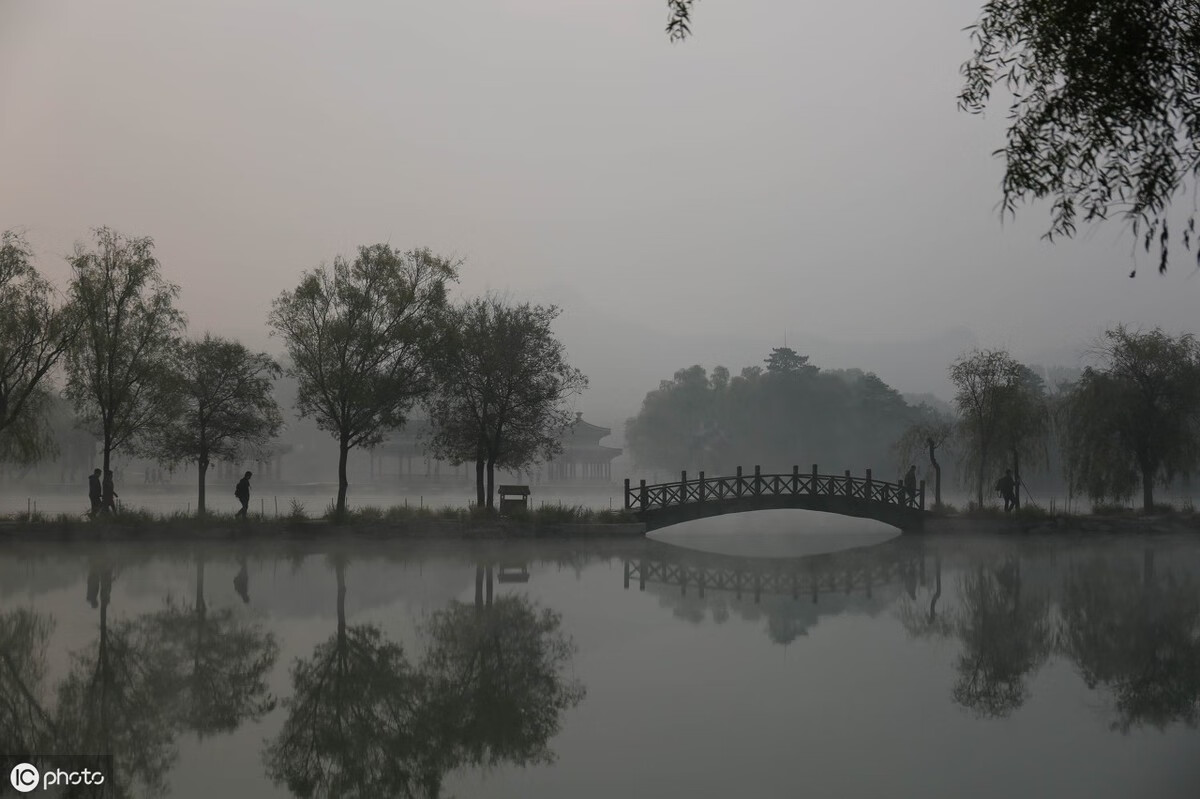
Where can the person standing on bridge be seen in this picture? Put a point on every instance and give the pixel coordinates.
(1006, 487)
(910, 481)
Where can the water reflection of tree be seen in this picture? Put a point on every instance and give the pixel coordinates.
(496, 681)
(352, 727)
(1006, 636)
(224, 663)
(117, 698)
(26, 728)
(1138, 635)
(922, 619)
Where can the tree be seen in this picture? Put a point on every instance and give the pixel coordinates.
(1134, 417)
(34, 336)
(994, 411)
(504, 388)
(361, 338)
(930, 433)
(225, 405)
(130, 328)
(786, 361)
(1102, 110)
(1025, 423)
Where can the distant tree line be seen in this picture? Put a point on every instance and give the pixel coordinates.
(368, 341)
(1129, 422)
(772, 417)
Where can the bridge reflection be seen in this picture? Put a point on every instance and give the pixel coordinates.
(900, 562)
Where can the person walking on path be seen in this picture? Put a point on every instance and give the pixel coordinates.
(110, 494)
(910, 482)
(242, 492)
(94, 491)
(1006, 487)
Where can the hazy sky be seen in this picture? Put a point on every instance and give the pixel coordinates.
(795, 167)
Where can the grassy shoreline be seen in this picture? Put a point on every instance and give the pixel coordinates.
(544, 521)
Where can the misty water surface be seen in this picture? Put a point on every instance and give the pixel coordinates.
(939, 667)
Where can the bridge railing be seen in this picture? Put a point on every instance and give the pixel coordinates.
(643, 497)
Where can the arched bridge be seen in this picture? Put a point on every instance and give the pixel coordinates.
(664, 504)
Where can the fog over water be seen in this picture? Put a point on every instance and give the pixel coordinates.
(790, 171)
(964, 665)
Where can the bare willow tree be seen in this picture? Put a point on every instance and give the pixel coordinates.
(361, 336)
(1134, 418)
(35, 333)
(119, 366)
(225, 409)
(505, 388)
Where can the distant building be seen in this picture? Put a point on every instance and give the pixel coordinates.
(583, 457)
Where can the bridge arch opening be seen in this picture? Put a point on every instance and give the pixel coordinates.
(780, 533)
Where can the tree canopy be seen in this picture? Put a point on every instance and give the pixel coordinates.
(790, 413)
(119, 366)
(1134, 417)
(35, 333)
(505, 385)
(1102, 107)
(226, 408)
(361, 336)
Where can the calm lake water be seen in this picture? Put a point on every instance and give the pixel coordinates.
(969, 666)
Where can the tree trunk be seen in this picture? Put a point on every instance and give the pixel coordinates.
(480, 486)
(203, 471)
(982, 473)
(937, 474)
(1147, 489)
(343, 483)
(491, 484)
(1016, 481)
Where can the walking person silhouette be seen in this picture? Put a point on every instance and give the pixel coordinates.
(242, 492)
(95, 492)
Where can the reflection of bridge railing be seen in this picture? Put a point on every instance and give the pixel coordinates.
(719, 489)
(809, 576)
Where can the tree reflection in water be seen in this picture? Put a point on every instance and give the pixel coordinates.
(495, 678)
(118, 696)
(363, 722)
(223, 663)
(26, 727)
(1006, 636)
(1138, 635)
(353, 722)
